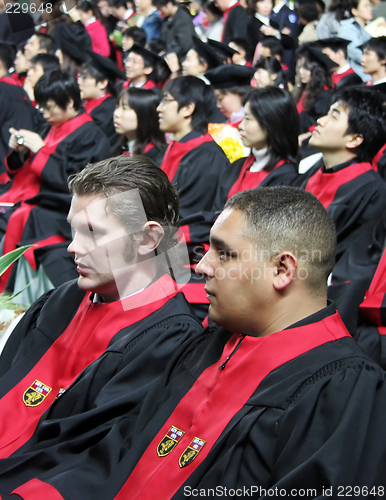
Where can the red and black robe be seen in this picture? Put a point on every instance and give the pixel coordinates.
(101, 111)
(237, 411)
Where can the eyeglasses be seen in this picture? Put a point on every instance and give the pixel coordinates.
(166, 100)
(50, 108)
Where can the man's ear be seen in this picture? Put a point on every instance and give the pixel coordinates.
(286, 265)
(153, 233)
(70, 105)
(147, 70)
(188, 110)
(355, 141)
(103, 84)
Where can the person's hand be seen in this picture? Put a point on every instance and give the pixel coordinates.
(286, 31)
(269, 31)
(32, 141)
(173, 63)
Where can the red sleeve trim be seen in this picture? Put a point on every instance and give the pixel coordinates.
(36, 490)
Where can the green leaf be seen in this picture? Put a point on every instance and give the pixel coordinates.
(9, 258)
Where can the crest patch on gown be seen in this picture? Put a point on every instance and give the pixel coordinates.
(36, 393)
(191, 452)
(169, 441)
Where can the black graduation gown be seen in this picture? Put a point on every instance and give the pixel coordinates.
(319, 108)
(68, 322)
(198, 171)
(350, 80)
(255, 36)
(313, 421)
(103, 117)
(235, 23)
(15, 111)
(47, 199)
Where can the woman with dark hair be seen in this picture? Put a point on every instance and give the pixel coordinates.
(88, 16)
(269, 72)
(136, 120)
(314, 74)
(270, 128)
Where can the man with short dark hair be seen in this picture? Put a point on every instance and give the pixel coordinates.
(124, 218)
(269, 411)
(192, 156)
(39, 169)
(39, 43)
(346, 184)
(177, 29)
(374, 62)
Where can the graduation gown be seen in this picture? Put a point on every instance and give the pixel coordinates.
(15, 111)
(67, 325)
(101, 111)
(235, 412)
(346, 79)
(194, 165)
(39, 188)
(235, 18)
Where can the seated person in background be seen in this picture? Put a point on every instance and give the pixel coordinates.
(39, 168)
(242, 55)
(136, 121)
(86, 13)
(140, 64)
(20, 64)
(235, 18)
(349, 188)
(284, 393)
(97, 79)
(131, 36)
(148, 19)
(308, 15)
(231, 84)
(268, 72)
(353, 29)
(39, 64)
(200, 59)
(39, 43)
(374, 63)
(224, 51)
(124, 217)
(193, 161)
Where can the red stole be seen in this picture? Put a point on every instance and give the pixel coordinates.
(324, 185)
(336, 78)
(377, 157)
(300, 105)
(26, 181)
(177, 150)
(215, 398)
(84, 340)
(11, 81)
(91, 104)
(249, 180)
(372, 303)
(149, 84)
(225, 17)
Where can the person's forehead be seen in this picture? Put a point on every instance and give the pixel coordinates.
(228, 226)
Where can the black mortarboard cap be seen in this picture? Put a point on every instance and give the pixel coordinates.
(222, 49)
(151, 57)
(381, 39)
(321, 58)
(230, 75)
(206, 52)
(106, 66)
(334, 42)
(72, 40)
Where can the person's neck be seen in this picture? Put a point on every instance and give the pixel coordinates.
(173, 11)
(289, 312)
(336, 158)
(146, 12)
(360, 21)
(139, 80)
(96, 96)
(343, 65)
(3, 72)
(379, 75)
(180, 134)
(125, 287)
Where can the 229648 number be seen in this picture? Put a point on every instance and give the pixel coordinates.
(25, 8)
(360, 491)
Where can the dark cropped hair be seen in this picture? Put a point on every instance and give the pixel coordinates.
(118, 3)
(341, 9)
(320, 77)
(274, 46)
(378, 45)
(275, 111)
(137, 34)
(308, 11)
(121, 174)
(46, 42)
(273, 66)
(157, 46)
(48, 62)
(163, 3)
(85, 6)
(91, 71)
(60, 86)
(283, 218)
(7, 55)
(242, 43)
(191, 90)
(144, 102)
(213, 9)
(367, 117)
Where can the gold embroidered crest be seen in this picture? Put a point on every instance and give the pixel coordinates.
(36, 393)
(169, 441)
(191, 452)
